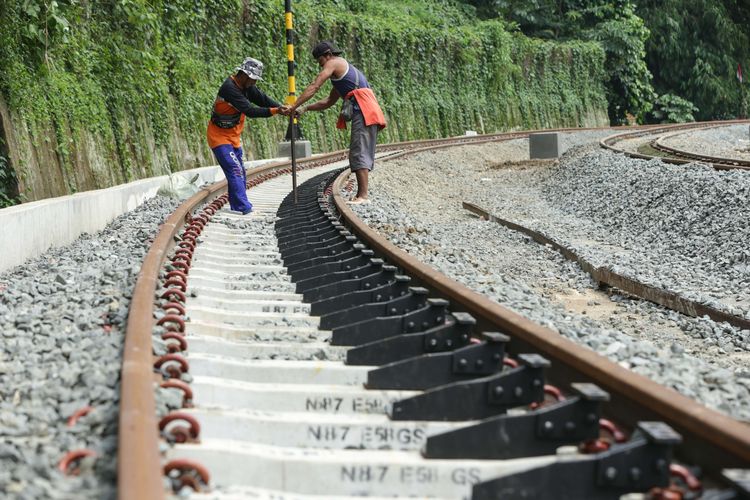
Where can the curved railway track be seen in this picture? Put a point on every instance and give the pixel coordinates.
(655, 148)
(285, 331)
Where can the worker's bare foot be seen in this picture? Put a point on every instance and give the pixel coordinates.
(358, 201)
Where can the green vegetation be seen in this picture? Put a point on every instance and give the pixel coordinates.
(670, 108)
(611, 23)
(109, 91)
(694, 49)
(8, 181)
(691, 47)
(97, 93)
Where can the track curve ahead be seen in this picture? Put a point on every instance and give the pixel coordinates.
(674, 155)
(268, 315)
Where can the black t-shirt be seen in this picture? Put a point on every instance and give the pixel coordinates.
(243, 100)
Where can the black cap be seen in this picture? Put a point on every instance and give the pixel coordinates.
(323, 48)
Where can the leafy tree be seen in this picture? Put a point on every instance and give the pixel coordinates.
(694, 50)
(669, 108)
(612, 23)
(114, 90)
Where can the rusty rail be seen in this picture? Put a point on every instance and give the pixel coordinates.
(603, 275)
(718, 162)
(139, 461)
(683, 157)
(710, 438)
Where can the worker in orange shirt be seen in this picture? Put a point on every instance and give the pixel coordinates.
(349, 84)
(233, 103)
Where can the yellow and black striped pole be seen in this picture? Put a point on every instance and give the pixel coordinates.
(293, 131)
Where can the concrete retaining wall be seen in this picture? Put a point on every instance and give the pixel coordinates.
(30, 229)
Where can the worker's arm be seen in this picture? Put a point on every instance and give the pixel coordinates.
(311, 89)
(260, 98)
(234, 96)
(321, 104)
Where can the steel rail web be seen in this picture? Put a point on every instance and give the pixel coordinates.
(710, 438)
(139, 459)
(684, 157)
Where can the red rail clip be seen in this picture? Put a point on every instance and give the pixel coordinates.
(71, 459)
(179, 433)
(187, 392)
(82, 412)
(183, 472)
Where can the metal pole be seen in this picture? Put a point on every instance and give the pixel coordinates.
(291, 98)
(292, 122)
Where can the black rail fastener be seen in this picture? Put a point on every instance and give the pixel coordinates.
(311, 264)
(381, 274)
(308, 254)
(306, 244)
(301, 217)
(355, 257)
(325, 222)
(387, 291)
(288, 223)
(365, 267)
(535, 433)
(310, 236)
(312, 277)
(306, 235)
(432, 370)
(292, 225)
(478, 398)
(633, 467)
(452, 335)
(739, 482)
(414, 299)
(432, 314)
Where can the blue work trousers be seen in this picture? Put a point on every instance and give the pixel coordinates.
(230, 159)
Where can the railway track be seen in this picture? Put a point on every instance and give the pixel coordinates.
(322, 362)
(655, 148)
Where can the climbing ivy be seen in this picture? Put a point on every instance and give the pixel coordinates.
(8, 182)
(134, 80)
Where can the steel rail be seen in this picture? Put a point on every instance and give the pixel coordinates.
(683, 157)
(632, 286)
(138, 457)
(139, 460)
(711, 439)
(722, 163)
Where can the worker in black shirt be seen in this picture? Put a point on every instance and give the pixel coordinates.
(232, 105)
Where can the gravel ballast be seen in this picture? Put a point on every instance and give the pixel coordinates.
(723, 142)
(62, 321)
(661, 224)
